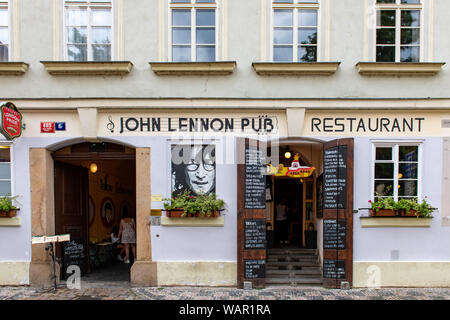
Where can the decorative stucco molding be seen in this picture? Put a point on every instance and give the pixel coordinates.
(193, 68)
(13, 68)
(399, 68)
(72, 68)
(295, 68)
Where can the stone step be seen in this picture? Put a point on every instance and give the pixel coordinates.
(294, 281)
(294, 264)
(294, 273)
(292, 259)
(292, 252)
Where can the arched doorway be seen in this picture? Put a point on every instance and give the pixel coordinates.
(94, 185)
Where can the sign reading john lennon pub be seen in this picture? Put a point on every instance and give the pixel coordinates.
(11, 121)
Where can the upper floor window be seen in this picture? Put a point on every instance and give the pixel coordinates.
(295, 30)
(4, 31)
(398, 28)
(88, 30)
(193, 31)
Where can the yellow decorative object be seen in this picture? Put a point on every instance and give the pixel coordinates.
(294, 171)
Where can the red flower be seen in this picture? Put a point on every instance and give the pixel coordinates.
(192, 197)
(370, 201)
(378, 207)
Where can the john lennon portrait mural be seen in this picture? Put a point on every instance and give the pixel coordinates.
(194, 169)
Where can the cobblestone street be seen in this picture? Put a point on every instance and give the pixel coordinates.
(115, 292)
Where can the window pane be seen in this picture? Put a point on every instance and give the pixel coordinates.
(408, 153)
(409, 54)
(181, 53)
(184, 1)
(282, 54)
(385, 54)
(407, 188)
(307, 18)
(181, 17)
(4, 17)
(410, 1)
(408, 170)
(385, 1)
(101, 17)
(411, 18)
(101, 35)
(386, 18)
(3, 36)
(307, 54)
(282, 18)
(211, 1)
(283, 36)
(76, 17)
(284, 1)
(384, 171)
(181, 36)
(5, 155)
(5, 188)
(307, 35)
(5, 170)
(101, 52)
(206, 17)
(384, 188)
(386, 36)
(77, 52)
(76, 35)
(383, 153)
(206, 53)
(206, 35)
(3, 53)
(410, 36)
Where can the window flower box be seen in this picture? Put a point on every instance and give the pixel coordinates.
(384, 213)
(178, 213)
(9, 214)
(187, 205)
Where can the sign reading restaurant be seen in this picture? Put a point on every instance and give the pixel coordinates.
(371, 124)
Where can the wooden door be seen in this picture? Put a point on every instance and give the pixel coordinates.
(251, 206)
(71, 215)
(338, 213)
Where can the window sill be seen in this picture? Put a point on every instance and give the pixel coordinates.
(88, 68)
(193, 222)
(13, 68)
(399, 69)
(10, 222)
(295, 68)
(219, 68)
(394, 222)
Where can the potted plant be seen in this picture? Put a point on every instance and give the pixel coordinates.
(7, 209)
(404, 207)
(423, 209)
(187, 205)
(383, 207)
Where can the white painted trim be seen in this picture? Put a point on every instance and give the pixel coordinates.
(162, 27)
(430, 30)
(263, 40)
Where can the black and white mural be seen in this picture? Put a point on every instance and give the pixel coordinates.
(193, 168)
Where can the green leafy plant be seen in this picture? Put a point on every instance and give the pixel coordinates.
(423, 209)
(6, 203)
(382, 204)
(201, 205)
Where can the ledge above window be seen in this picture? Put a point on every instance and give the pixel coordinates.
(399, 68)
(295, 68)
(88, 68)
(393, 222)
(193, 222)
(13, 68)
(219, 68)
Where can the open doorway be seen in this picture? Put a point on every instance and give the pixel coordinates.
(95, 187)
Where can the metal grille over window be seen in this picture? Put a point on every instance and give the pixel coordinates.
(4, 31)
(398, 30)
(193, 30)
(295, 30)
(88, 30)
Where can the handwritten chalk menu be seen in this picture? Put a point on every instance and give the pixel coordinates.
(255, 181)
(335, 178)
(334, 234)
(255, 269)
(334, 269)
(74, 255)
(254, 234)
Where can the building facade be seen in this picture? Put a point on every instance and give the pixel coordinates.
(125, 83)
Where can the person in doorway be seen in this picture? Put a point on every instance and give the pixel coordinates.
(127, 234)
(118, 247)
(282, 222)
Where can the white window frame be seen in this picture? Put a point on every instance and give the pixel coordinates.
(295, 7)
(193, 6)
(106, 4)
(7, 5)
(398, 7)
(11, 161)
(395, 148)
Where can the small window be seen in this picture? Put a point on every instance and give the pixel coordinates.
(295, 30)
(396, 172)
(398, 30)
(5, 171)
(193, 30)
(4, 31)
(88, 30)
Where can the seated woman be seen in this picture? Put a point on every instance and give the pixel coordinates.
(119, 248)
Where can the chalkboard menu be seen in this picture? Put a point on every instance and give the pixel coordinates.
(255, 181)
(334, 234)
(74, 255)
(334, 269)
(255, 234)
(255, 269)
(335, 178)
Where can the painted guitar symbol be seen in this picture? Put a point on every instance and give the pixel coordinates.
(110, 126)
